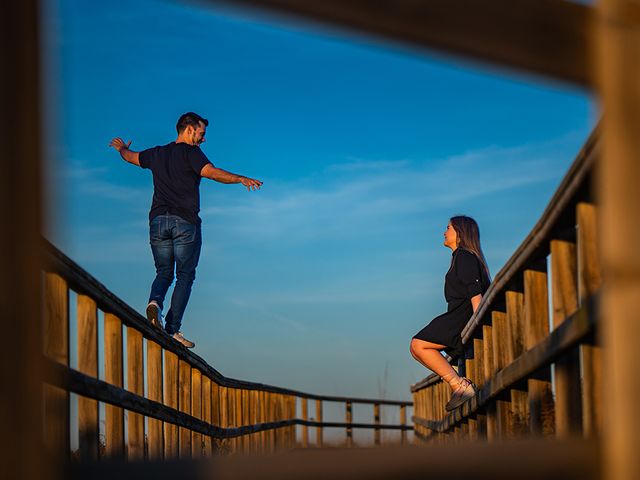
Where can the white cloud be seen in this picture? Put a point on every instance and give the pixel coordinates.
(362, 197)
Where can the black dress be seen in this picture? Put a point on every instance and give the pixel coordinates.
(465, 279)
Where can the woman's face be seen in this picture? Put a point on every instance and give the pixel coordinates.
(450, 237)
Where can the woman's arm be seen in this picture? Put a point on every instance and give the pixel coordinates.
(475, 301)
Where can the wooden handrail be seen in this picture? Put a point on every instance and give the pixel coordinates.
(536, 314)
(536, 243)
(83, 282)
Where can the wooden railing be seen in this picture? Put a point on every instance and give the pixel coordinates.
(534, 357)
(177, 406)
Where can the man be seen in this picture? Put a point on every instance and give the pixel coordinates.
(174, 224)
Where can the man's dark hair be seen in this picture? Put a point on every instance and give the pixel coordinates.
(192, 119)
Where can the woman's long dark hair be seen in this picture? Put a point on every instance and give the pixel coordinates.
(468, 235)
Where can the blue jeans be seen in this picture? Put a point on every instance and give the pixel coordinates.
(174, 242)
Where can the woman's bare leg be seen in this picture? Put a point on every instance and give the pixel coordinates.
(428, 354)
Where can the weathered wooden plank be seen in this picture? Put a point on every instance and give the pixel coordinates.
(135, 384)
(207, 410)
(246, 419)
(239, 420)
(589, 282)
(171, 442)
(376, 421)
(319, 439)
(349, 419)
(184, 405)
(519, 413)
(487, 337)
(196, 411)
(500, 340)
(478, 353)
(403, 421)
(515, 324)
(56, 347)
(22, 123)
(568, 398)
(536, 316)
(154, 392)
(547, 37)
(113, 373)
(305, 429)
(88, 418)
(224, 445)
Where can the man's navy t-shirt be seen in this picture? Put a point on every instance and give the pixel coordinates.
(176, 171)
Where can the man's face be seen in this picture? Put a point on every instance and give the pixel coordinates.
(196, 135)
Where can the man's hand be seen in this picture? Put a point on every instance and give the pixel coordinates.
(123, 148)
(119, 144)
(251, 183)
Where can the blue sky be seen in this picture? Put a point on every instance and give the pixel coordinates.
(318, 281)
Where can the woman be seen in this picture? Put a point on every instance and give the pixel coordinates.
(465, 283)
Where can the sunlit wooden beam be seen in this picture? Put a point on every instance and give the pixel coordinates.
(550, 38)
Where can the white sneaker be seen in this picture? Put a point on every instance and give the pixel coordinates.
(154, 315)
(179, 337)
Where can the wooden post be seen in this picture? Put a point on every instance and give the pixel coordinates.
(305, 417)
(184, 405)
(403, 421)
(171, 444)
(617, 190)
(502, 352)
(88, 425)
(135, 384)
(215, 415)
(154, 392)
(536, 328)
(224, 414)
(246, 419)
(589, 282)
(254, 418)
(21, 289)
(207, 400)
(349, 419)
(56, 347)
(376, 421)
(196, 411)
(519, 414)
(239, 420)
(478, 355)
(114, 416)
(515, 324)
(567, 368)
(319, 420)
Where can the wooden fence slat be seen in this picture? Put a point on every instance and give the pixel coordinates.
(349, 419)
(56, 347)
(184, 405)
(376, 421)
(207, 412)
(171, 443)
(224, 445)
(196, 411)
(319, 439)
(403, 421)
(246, 418)
(536, 328)
(305, 429)
(114, 373)
(239, 420)
(88, 416)
(478, 355)
(515, 324)
(589, 282)
(154, 392)
(568, 404)
(135, 384)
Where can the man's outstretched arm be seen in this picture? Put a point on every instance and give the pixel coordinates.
(222, 176)
(123, 148)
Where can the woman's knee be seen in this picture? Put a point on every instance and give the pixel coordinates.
(414, 346)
